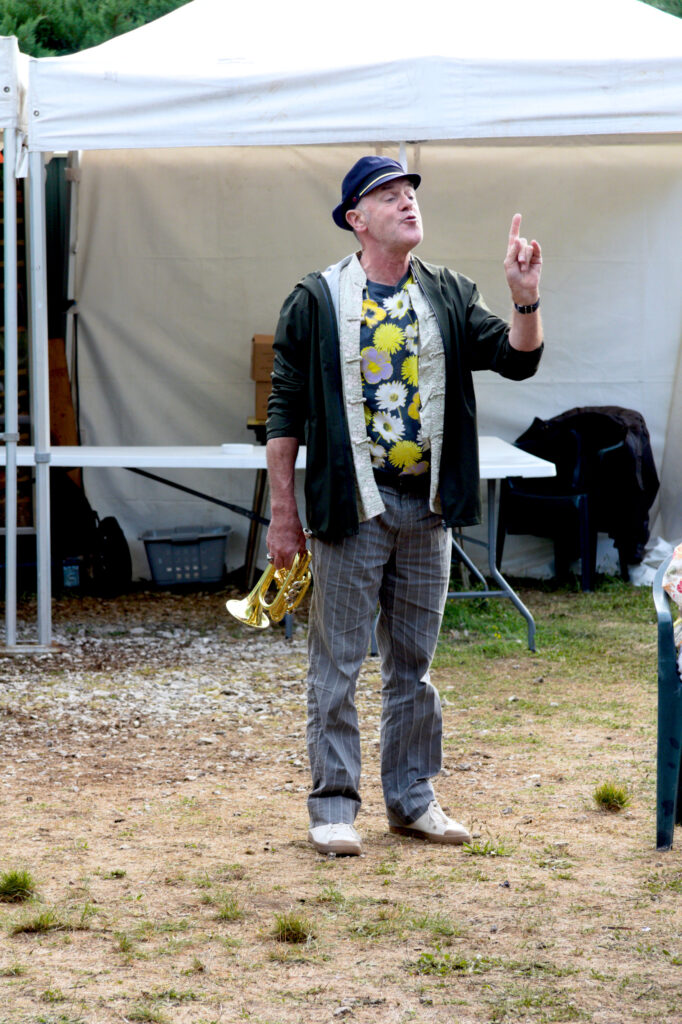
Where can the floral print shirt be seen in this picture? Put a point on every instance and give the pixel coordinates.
(389, 351)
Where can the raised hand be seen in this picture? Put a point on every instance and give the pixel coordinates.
(522, 265)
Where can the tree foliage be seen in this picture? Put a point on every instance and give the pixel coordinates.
(47, 28)
(669, 6)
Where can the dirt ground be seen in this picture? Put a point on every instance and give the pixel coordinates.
(153, 776)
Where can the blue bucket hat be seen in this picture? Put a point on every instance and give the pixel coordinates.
(368, 173)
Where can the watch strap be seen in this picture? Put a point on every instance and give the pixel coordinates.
(527, 309)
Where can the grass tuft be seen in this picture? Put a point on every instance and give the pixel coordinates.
(229, 908)
(437, 924)
(292, 928)
(53, 995)
(124, 943)
(12, 971)
(45, 921)
(442, 964)
(16, 886)
(611, 797)
(196, 967)
(330, 894)
(490, 848)
(143, 1014)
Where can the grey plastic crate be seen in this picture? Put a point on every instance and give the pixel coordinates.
(186, 554)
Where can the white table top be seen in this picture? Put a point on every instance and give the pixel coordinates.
(498, 458)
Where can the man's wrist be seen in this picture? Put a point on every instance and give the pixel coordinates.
(527, 306)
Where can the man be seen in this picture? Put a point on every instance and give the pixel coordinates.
(373, 372)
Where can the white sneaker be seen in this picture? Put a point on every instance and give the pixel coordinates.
(434, 826)
(339, 838)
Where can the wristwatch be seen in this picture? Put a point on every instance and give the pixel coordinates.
(527, 309)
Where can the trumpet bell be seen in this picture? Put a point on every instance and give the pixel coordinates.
(249, 612)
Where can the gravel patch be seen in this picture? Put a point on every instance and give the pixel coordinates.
(160, 659)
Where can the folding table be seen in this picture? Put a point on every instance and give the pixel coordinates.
(498, 459)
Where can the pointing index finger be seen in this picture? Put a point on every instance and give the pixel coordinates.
(515, 228)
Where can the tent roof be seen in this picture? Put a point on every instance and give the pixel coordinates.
(218, 73)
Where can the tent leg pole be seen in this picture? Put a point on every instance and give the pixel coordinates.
(11, 436)
(73, 179)
(40, 391)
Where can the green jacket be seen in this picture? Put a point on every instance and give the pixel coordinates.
(307, 395)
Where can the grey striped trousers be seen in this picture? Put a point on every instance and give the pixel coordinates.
(401, 559)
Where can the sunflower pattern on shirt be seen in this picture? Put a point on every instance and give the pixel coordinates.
(389, 352)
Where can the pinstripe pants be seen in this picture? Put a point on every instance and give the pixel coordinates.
(400, 559)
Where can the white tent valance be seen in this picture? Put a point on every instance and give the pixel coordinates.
(215, 73)
(13, 84)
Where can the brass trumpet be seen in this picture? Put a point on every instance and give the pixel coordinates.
(291, 583)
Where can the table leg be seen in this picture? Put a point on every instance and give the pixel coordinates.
(506, 590)
(260, 496)
(494, 571)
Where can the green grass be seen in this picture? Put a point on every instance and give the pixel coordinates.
(229, 908)
(610, 796)
(143, 1014)
(658, 884)
(384, 922)
(124, 944)
(172, 995)
(16, 886)
(13, 970)
(292, 927)
(533, 1003)
(45, 921)
(196, 967)
(489, 848)
(377, 918)
(50, 920)
(331, 895)
(388, 866)
(443, 964)
(568, 623)
(231, 872)
(439, 925)
(53, 995)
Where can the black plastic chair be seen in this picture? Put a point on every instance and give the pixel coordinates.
(565, 508)
(669, 745)
(605, 481)
(564, 518)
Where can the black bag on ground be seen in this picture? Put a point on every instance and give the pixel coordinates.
(112, 568)
(78, 535)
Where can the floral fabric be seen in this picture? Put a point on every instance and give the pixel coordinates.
(389, 352)
(672, 584)
(672, 580)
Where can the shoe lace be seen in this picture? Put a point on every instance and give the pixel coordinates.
(340, 830)
(438, 814)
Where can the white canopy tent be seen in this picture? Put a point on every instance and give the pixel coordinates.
(464, 80)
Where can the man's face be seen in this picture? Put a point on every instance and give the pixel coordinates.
(390, 216)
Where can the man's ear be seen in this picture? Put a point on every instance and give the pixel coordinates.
(356, 219)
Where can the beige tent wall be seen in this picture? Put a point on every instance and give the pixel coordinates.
(671, 482)
(184, 254)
